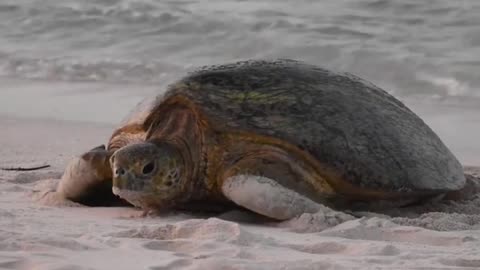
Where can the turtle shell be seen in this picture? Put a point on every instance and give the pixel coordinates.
(366, 135)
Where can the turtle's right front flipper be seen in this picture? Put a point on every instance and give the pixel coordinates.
(88, 179)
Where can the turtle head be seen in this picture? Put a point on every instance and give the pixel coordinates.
(148, 175)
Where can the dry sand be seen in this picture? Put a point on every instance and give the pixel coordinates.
(40, 231)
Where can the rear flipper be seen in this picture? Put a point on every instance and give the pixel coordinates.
(471, 188)
(88, 179)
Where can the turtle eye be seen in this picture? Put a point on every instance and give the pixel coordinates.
(148, 168)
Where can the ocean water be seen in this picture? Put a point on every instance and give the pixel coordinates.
(426, 53)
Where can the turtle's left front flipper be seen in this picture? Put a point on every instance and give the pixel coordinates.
(266, 197)
(88, 179)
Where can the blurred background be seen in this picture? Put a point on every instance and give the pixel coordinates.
(93, 60)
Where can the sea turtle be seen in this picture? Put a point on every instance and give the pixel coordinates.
(277, 137)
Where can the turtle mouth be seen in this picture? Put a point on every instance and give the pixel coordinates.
(141, 199)
(133, 197)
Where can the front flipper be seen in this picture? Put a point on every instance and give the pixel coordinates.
(266, 197)
(88, 179)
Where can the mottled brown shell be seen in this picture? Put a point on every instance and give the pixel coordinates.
(355, 128)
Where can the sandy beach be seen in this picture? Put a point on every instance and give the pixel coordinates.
(40, 231)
